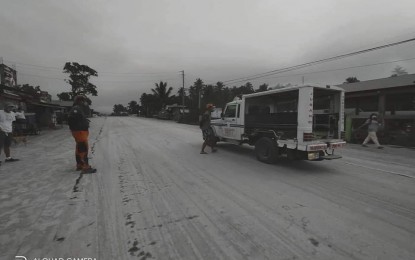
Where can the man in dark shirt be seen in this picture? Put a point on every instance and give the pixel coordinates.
(79, 125)
(207, 131)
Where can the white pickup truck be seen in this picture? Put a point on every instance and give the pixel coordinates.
(300, 122)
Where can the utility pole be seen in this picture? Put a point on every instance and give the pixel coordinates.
(182, 87)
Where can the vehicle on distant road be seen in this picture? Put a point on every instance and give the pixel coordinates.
(299, 122)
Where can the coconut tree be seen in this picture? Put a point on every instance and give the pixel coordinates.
(398, 71)
(162, 93)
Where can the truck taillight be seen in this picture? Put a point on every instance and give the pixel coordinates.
(308, 137)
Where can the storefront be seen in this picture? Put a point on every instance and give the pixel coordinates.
(392, 99)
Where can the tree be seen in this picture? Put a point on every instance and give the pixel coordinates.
(79, 76)
(133, 107)
(65, 96)
(248, 88)
(150, 104)
(194, 92)
(30, 89)
(244, 89)
(119, 108)
(398, 71)
(208, 95)
(162, 93)
(351, 80)
(261, 88)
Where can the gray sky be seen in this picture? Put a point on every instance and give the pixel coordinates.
(134, 44)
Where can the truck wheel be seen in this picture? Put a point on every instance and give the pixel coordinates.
(266, 150)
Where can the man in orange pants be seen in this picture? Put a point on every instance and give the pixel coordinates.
(79, 125)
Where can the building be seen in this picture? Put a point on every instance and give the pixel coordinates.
(8, 76)
(62, 115)
(392, 99)
(36, 104)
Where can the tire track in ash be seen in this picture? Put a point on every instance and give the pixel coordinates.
(158, 221)
(357, 198)
(220, 221)
(276, 230)
(98, 137)
(380, 170)
(302, 223)
(111, 231)
(229, 224)
(136, 245)
(321, 188)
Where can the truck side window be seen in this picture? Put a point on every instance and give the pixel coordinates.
(230, 111)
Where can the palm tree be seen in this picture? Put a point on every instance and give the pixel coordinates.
(162, 93)
(398, 71)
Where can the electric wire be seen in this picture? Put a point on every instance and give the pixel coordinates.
(300, 66)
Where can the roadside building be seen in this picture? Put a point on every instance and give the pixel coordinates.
(8, 76)
(176, 112)
(393, 99)
(38, 107)
(62, 115)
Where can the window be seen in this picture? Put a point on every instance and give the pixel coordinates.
(400, 102)
(369, 103)
(286, 106)
(230, 111)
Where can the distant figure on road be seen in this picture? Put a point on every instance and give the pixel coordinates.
(6, 130)
(79, 125)
(373, 127)
(207, 131)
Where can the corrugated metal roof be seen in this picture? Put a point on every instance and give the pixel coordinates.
(285, 89)
(391, 82)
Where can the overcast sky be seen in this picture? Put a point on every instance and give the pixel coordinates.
(134, 44)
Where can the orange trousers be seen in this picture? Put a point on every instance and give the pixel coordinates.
(81, 152)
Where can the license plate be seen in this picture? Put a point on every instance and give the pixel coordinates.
(317, 147)
(337, 145)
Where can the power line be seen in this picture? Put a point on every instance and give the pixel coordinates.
(290, 75)
(300, 66)
(345, 68)
(119, 81)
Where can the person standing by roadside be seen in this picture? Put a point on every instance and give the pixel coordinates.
(6, 130)
(20, 121)
(207, 131)
(79, 126)
(373, 126)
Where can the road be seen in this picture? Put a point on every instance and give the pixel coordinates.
(156, 197)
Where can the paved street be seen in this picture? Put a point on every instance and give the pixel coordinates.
(156, 197)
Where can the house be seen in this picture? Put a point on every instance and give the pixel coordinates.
(62, 115)
(393, 99)
(37, 104)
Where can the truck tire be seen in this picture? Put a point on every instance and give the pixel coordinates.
(266, 150)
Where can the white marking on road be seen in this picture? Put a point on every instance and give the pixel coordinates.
(376, 169)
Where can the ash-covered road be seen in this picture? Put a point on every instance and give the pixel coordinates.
(156, 197)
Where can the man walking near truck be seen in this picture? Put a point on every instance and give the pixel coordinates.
(207, 131)
(373, 127)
